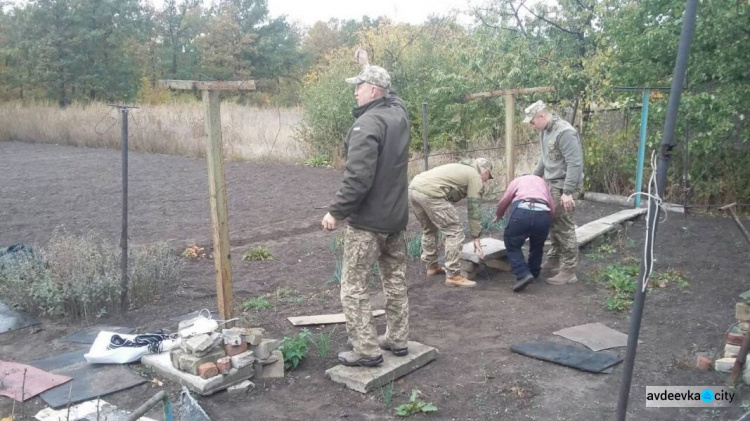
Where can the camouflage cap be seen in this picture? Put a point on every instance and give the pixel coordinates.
(484, 164)
(533, 110)
(374, 75)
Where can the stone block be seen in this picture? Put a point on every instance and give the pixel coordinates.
(744, 327)
(264, 349)
(174, 355)
(469, 275)
(724, 365)
(253, 336)
(731, 351)
(232, 337)
(468, 266)
(742, 312)
(189, 363)
(162, 365)
(199, 343)
(243, 360)
(208, 370)
(233, 350)
(492, 248)
(270, 368)
(224, 364)
(364, 379)
(499, 264)
(241, 388)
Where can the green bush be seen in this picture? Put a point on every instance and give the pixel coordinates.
(295, 349)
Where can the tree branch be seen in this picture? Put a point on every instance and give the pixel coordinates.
(556, 25)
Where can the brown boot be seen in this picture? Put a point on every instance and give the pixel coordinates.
(565, 276)
(436, 270)
(552, 264)
(459, 281)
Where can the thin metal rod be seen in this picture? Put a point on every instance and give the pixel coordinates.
(124, 235)
(424, 136)
(688, 29)
(641, 148)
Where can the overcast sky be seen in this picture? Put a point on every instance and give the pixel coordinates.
(408, 11)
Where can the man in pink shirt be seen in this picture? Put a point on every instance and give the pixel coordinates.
(530, 215)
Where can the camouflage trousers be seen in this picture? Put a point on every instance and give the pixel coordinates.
(361, 250)
(562, 232)
(438, 214)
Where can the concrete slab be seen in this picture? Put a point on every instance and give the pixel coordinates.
(492, 248)
(364, 379)
(162, 365)
(495, 249)
(324, 319)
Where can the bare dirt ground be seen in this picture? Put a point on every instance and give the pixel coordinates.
(476, 377)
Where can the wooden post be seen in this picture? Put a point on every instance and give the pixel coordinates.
(510, 108)
(510, 159)
(217, 187)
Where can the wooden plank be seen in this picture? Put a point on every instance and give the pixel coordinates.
(218, 200)
(510, 161)
(519, 91)
(622, 216)
(217, 85)
(324, 319)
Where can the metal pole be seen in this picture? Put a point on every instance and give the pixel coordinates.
(688, 29)
(641, 148)
(424, 136)
(124, 234)
(141, 410)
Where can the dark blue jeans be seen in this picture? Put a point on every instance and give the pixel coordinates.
(523, 224)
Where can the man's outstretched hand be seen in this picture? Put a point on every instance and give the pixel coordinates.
(360, 56)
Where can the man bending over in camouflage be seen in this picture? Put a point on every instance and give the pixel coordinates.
(432, 194)
(561, 164)
(373, 197)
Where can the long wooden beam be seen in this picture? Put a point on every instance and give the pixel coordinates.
(519, 91)
(218, 85)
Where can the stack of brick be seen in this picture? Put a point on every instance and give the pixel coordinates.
(734, 338)
(229, 352)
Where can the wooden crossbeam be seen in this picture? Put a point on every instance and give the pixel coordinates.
(201, 85)
(217, 186)
(519, 91)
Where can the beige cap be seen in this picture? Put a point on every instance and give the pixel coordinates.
(533, 110)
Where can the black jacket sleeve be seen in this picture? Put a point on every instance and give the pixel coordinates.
(361, 165)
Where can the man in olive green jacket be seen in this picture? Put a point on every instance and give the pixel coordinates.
(432, 194)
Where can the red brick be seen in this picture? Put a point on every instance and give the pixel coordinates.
(233, 350)
(208, 370)
(703, 363)
(224, 364)
(735, 338)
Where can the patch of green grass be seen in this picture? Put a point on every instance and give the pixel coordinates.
(257, 303)
(618, 302)
(257, 254)
(605, 248)
(621, 280)
(318, 160)
(322, 342)
(415, 406)
(387, 393)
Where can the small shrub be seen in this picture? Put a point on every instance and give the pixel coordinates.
(194, 252)
(257, 254)
(336, 277)
(295, 349)
(487, 216)
(618, 302)
(415, 406)
(257, 303)
(670, 277)
(621, 280)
